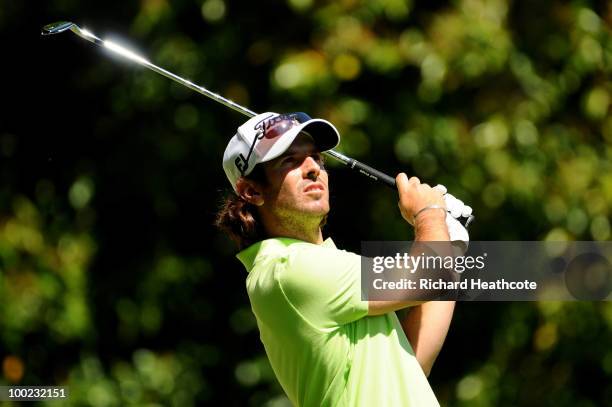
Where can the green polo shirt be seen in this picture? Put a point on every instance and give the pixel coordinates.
(324, 348)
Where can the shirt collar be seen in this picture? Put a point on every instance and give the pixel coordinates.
(248, 256)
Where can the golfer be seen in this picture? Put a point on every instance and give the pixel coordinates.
(326, 346)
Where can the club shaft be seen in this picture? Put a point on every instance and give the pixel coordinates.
(362, 168)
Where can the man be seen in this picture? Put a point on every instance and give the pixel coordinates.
(327, 347)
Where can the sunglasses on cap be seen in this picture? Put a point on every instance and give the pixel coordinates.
(271, 128)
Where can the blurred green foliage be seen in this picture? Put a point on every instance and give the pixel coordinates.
(112, 280)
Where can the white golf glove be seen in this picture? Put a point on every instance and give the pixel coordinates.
(455, 210)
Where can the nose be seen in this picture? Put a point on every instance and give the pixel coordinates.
(311, 169)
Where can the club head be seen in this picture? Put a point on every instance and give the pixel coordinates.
(56, 28)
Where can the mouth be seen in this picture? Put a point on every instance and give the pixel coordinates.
(315, 186)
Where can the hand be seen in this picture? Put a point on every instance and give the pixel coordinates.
(454, 206)
(414, 196)
(456, 209)
(456, 231)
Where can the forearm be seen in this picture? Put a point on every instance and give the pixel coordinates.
(426, 327)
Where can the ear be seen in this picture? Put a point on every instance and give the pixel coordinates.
(250, 191)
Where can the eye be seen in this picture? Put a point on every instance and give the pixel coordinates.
(289, 160)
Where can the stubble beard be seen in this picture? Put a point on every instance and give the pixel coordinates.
(302, 212)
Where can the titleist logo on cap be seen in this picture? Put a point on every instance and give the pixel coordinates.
(262, 126)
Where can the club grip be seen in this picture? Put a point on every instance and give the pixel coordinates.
(366, 170)
(376, 175)
(373, 173)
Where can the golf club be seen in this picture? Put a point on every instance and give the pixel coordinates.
(61, 26)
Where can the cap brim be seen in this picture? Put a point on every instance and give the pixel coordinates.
(324, 134)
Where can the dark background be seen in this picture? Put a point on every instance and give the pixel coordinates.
(113, 280)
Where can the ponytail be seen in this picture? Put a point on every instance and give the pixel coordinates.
(240, 220)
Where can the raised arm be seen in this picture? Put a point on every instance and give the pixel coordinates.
(429, 225)
(426, 324)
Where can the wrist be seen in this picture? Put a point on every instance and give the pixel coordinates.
(427, 208)
(431, 226)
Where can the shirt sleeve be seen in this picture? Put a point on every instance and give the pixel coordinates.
(324, 286)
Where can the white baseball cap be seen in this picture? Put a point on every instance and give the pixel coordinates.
(268, 135)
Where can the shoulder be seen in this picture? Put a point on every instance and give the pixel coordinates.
(315, 266)
(297, 263)
(317, 257)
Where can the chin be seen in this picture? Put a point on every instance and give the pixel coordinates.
(317, 208)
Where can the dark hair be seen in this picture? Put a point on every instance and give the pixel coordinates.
(239, 218)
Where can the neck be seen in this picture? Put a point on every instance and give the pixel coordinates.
(307, 229)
